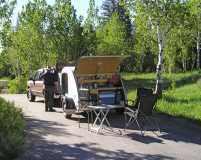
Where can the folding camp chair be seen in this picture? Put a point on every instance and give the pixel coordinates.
(145, 103)
(140, 92)
(83, 108)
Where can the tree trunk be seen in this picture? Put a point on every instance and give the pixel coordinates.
(184, 65)
(160, 35)
(142, 62)
(193, 63)
(198, 50)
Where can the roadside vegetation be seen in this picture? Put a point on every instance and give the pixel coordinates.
(11, 130)
(17, 85)
(181, 94)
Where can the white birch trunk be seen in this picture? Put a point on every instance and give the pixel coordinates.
(184, 65)
(198, 50)
(160, 35)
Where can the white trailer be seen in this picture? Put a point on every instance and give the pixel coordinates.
(93, 80)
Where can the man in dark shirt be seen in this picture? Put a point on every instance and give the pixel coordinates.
(50, 79)
(58, 69)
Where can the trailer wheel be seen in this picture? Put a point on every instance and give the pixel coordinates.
(66, 104)
(68, 116)
(30, 96)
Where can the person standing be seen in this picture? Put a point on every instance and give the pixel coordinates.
(49, 82)
(57, 94)
(57, 77)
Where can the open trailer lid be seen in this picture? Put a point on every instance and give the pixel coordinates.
(92, 65)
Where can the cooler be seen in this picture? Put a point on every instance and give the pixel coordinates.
(107, 98)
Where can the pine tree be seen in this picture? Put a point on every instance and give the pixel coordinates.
(108, 8)
(119, 6)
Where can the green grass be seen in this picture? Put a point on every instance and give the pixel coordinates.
(182, 102)
(5, 78)
(152, 76)
(181, 96)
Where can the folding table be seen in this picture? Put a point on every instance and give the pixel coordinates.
(101, 113)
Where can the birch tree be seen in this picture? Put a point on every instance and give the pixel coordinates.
(162, 15)
(195, 7)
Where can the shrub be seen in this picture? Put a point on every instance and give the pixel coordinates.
(17, 85)
(11, 130)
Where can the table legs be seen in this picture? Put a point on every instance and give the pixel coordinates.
(100, 113)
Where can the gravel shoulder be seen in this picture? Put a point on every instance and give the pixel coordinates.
(49, 136)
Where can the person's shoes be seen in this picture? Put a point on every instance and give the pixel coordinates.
(46, 110)
(52, 110)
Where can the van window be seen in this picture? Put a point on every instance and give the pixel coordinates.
(64, 79)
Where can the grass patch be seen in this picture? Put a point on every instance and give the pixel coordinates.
(11, 130)
(181, 96)
(5, 78)
(182, 102)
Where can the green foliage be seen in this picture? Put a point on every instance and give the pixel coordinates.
(92, 16)
(66, 31)
(11, 130)
(90, 29)
(112, 37)
(6, 10)
(109, 7)
(46, 34)
(181, 97)
(17, 85)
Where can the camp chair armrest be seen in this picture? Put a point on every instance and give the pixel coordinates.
(129, 109)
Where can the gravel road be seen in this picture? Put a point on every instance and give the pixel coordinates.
(49, 136)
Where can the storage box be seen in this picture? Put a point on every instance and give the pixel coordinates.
(84, 94)
(107, 98)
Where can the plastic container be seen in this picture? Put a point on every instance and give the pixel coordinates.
(107, 98)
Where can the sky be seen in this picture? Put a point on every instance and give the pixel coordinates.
(81, 7)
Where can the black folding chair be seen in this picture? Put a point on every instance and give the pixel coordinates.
(145, 103)
(140, 92)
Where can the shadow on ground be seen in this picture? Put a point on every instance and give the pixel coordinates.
(44, 128)
(85, 151)
(39, 148)
(173, 129)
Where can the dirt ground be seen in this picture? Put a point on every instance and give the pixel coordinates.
(49, 136)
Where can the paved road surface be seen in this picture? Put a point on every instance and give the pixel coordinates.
(52, 137)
